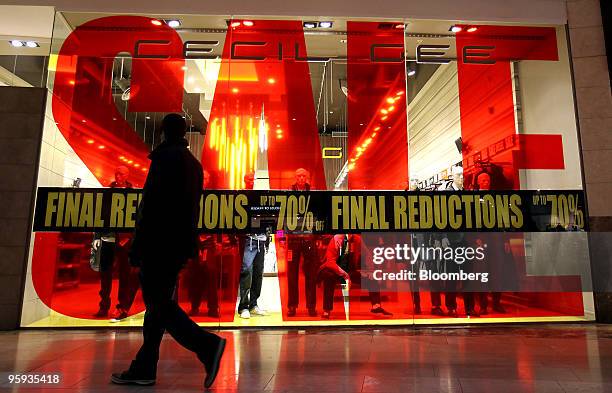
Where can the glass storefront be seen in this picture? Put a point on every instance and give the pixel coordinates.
(342, 104)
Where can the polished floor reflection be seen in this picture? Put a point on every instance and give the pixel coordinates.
(532, 358)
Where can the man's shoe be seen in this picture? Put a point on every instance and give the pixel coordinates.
(258, 311)
(291, 312)
(129, 378)
(437, 311)
(312, 312)
(245, 314)
(101, 313)
(213, 368)
(119, 315)
(381, 311)
(417, 310)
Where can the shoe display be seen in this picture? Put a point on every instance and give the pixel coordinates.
(245, 314)
(213, 368)
(291, 312)
(312, 312)
(256, 311)
(119, 315)
(380, 310)
(437, 311)
(130, 378)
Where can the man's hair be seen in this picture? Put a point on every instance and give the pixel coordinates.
(173, 126)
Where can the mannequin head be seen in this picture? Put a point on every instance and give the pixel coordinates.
(457, 172)
(301, 178)
(249, 181)
(121, 175)
(483, 181)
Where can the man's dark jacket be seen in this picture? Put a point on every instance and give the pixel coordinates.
(168, 214)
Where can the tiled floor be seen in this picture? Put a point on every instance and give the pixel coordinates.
(533, 358)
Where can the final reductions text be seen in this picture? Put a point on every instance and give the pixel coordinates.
(84, 210)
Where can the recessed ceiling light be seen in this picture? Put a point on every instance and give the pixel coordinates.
(32, 44)
(472, 29)
(16, 43)
(455, 29)
(235, 24)
(174, 23)
(326, 25)
(148, 117)
(247, 23)
(399, 26)
(156, 22)
(343, 41)
(310, 25)
(412, 73)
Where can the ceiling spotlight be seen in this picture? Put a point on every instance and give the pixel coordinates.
(343, 41)
(16, 43)
(32, 44)
(455, 29)
(174, 23)
(235, 24)
(326, 25)
(472, 29)
(156, 22)
(412, 73)
(247, 23)
(148, 117)
(399, 26)
(310, 25)
(271, 81)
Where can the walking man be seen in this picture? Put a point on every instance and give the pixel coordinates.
(165, 238)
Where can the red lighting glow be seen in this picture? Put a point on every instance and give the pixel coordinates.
(90, 141)
(101, 147)
(235, 90)
(271, 81)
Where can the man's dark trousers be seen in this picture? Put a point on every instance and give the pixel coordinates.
(164, 314)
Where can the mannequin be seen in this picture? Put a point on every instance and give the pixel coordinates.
(302, 246)
(451, 239)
